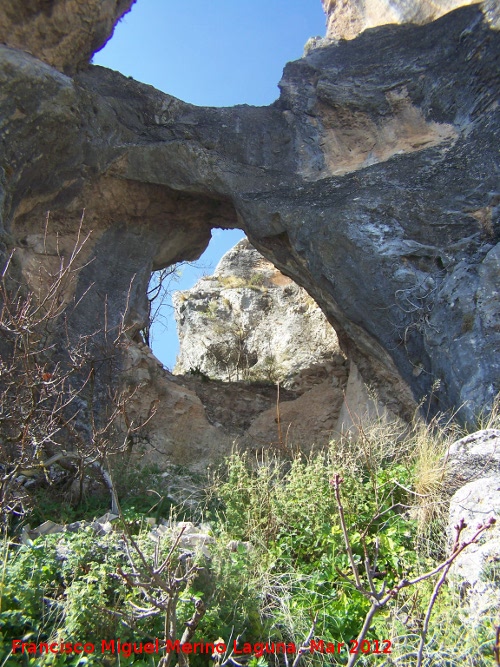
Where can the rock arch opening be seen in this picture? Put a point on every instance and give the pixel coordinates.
(247, 329)
(161, 333)
(247, 321)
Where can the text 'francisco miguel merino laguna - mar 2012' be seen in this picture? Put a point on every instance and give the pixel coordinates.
(126, 649)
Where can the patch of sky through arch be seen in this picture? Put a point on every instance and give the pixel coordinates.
(215, 53)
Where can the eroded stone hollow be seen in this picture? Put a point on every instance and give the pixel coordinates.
(372, 182)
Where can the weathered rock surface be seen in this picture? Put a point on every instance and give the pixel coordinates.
(360, 406)
(373, 182)
(472, 458)
(347, 18)
(196, 421)
(473, 473)
(476, 568)
(308, 421)
(476, 502)
(180, 430)
(62, 33)
(232, 407)
(250, 322)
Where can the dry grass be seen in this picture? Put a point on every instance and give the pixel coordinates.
(430, 445)
(422, 448)
(490, 418)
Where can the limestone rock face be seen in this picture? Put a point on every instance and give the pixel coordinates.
(476, 502)
(473, 474)
(179, 431)
(372, 182)
(309, 420)
(62, 33)
(476, 568)
(360, 407)
(255, 417)
(250, 322)
(472, 458)
(347, 18)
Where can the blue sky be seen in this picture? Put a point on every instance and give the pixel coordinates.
(216, 53)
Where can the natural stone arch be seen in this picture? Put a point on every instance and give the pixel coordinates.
(395, 242)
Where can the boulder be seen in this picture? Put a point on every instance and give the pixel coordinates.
(475, 457)
(473, 477)
(477, 569)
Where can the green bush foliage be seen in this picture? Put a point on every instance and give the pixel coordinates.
(289, 512)
(278, 559)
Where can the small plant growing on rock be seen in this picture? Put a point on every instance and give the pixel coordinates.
(256, 280)
(197, 372)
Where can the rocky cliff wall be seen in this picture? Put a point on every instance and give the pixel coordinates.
(373, 182)
(346, 19)
(63, 33)
(249, 321)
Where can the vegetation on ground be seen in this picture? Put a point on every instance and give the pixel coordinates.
(278, 564)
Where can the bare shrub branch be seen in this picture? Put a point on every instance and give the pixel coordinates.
(56, 406)
(379, 599)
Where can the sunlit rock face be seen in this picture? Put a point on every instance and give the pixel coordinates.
(347, 18)
(63, 33)
(250, 322)
(373, 183)
(473, 477)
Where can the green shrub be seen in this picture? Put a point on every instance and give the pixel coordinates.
(278, 559)
(289, 512)
(63, 583)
